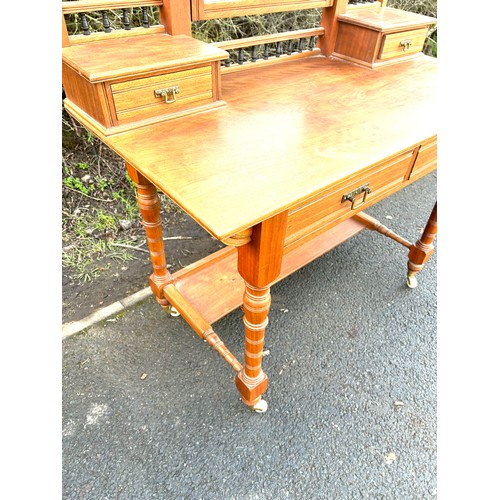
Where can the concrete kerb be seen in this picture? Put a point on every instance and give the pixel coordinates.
(73, 327)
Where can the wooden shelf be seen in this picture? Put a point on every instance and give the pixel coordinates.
(214, 288)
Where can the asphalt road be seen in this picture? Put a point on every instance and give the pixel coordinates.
(151, 412)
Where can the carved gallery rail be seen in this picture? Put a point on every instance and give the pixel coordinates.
(351, 132)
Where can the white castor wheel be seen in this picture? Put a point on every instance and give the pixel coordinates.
(172, 311)
(259, 407)
(411, 281)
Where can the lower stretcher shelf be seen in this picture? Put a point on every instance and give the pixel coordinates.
(214, 288)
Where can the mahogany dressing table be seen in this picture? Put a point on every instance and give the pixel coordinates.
(352, 110)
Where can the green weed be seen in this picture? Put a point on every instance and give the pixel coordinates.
(77, 184)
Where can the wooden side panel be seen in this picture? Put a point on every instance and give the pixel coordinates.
(357, 42)
(91, 98)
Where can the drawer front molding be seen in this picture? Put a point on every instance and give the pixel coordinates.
(139, 99)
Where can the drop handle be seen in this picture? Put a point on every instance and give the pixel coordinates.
(405, 45)
(352, 196)
(168, 94)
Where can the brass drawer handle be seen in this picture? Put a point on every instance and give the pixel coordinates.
(405, 44)
(351, 196)
(168, 93)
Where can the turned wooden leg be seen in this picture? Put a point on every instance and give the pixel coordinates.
(259, 263)
(251, 381)
(422, 250)
(149, 206)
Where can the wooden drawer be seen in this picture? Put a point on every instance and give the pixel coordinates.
(402, 44)
(376, 37)
(326, 209)
(115, 85)
(141, 98)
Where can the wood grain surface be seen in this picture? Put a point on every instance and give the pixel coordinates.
(288, 132)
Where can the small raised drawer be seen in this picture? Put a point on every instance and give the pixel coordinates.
(118, 84)
(374, 37)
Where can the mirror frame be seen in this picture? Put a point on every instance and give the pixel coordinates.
(212, 9)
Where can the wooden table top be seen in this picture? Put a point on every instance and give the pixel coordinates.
(288, 132)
